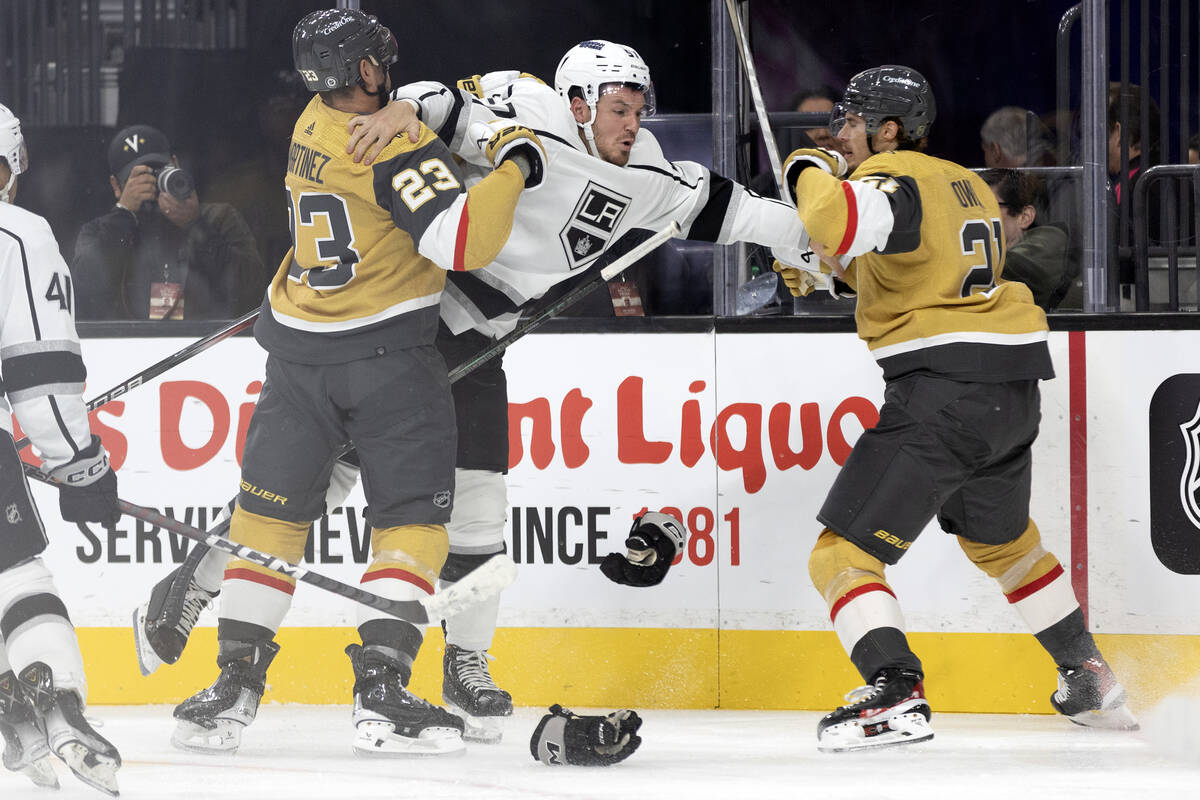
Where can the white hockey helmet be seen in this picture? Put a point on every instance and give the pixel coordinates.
(596, 67)
(12, 149)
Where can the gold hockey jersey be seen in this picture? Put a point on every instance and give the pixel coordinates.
(928, 251)
(371, 243)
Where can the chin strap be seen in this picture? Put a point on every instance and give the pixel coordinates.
(589, 138)
(5, 192)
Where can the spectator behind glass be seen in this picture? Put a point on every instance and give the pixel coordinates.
(1040, 255)
(162, 254)
(1014, 137)
(819, 100)
(1194, 149)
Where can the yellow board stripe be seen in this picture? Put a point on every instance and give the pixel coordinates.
(661, 668)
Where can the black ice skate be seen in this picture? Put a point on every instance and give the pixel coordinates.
(469, 691)
(891, 711)
(162, 625)
(212, 720)
(90, 756)
(25, 747)
(389, 719)
(1090, 695)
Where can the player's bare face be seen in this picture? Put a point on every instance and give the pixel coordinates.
(853, 141)
(618, 118)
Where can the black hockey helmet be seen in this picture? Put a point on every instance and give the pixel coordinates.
(888, 92)
(328, 44)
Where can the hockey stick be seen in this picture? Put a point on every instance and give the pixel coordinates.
(170, 362)
(743, 45)
(572, 297)
(483, 582)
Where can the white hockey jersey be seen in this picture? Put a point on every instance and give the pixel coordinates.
(585, 204)
(41, 369)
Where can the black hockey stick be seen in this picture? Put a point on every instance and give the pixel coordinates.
(485, 581)
(572, 297)
(170, 362)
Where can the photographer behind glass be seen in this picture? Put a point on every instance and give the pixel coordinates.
(159, 253)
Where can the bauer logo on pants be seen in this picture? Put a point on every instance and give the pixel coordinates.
(592, 224)
(1175, 473)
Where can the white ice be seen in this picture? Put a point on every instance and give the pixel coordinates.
(295, 752)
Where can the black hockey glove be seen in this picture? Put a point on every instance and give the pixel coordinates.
(87, 490)
(564, 737)
(653, 543)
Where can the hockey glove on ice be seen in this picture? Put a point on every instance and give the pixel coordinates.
(653, 543)
(87, 490)
(831, 161)
(564, 737)
(520, 144)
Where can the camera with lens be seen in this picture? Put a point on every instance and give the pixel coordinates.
(174, 181)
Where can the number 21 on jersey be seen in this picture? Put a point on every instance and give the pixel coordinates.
(974, 234)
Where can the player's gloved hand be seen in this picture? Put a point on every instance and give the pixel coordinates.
(653, 542)
(514, 142)
(800, 282)
(87, 490)
(564, 737)
(831, 161)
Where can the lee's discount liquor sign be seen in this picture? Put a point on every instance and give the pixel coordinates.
(739, 436)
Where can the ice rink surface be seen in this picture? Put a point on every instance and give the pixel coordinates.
(296, 752)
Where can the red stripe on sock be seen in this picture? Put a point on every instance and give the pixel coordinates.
(400, 575)
(460, 241)
(851, 218)
(1017, 595)
(243, 574)
(856, 592)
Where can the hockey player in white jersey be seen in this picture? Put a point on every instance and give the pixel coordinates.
(606, 176)
(42, 684)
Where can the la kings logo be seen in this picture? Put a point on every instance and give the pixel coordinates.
(591, 225)
(1175, 473)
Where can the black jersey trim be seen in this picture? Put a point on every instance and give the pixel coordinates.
(488, 300)
(974, 361)
(711, 220)
(37, 329)
(906, 216)
(31, 370)
(673, 176)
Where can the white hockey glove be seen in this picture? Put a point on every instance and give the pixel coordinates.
(654, 541)
(514, 142)
(87, 487)
(564, 737)
(831, 161)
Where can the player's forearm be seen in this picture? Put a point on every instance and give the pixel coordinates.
(846, 217)
(470, 233)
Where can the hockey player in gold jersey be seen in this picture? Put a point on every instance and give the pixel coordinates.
(349, 324)
(919, 239)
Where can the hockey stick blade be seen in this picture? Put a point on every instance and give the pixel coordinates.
(485, 581)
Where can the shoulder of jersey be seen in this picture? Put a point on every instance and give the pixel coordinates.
(22, 221)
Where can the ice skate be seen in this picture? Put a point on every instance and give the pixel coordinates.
(892, 711)
(469, 691)
(392, 721)
(212, 720)
(25, 748)
(161, 628)
(1092, 697)
(92, 758)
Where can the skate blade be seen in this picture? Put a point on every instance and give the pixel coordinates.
(899, 730)
(480, 730)
(96, 770)
(378, 739)
(41, 772)
(223, 738)
(148, 660)
(1113, 719)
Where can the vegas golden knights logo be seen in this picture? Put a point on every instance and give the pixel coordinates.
(1175, 473)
